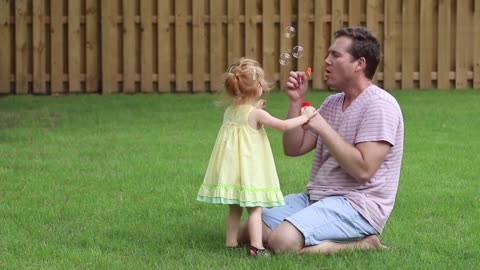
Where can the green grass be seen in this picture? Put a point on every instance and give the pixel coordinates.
(109, 182)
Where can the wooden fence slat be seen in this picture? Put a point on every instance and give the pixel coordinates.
(302, 40)
(5, 48)
(426, 43)
(463, 35)
(269, 61)
(216, 46)
(181, 49)
(57, 46)
(305, 36)
(109, 27)
(390, 44)
(92, 46)
(444, 23)
(164, 46)
(251, 41)
(409, 28)
(129, 59)
(74, 46)
(337, 16)
(199, 45)
(354, 13)
(146, 44)
(286, 43)
(476, 45)
(321, 45)
(21, 54)
(233, 31)
(373, 7)
(38, 26)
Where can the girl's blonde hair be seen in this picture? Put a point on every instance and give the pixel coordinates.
(242, 80)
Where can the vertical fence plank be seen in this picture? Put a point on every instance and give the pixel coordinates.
(337, 16)
(304, 39)
(129, 50)
(463, 35)
(146, 33)
(251, 50)
(286, 43)
(444, 23)
(306, 36)
(268, 27)
(426, 43)
(38, 26)
(21, 54)
(409, 28)
(216, 46)
(109, 27)
(233, 31)
(199, 44)
(164, 46)
(476, 45)
(390, 44)
(373, 7)
(5, 48)
(92, 46)
(57, 46)
(181, 67)
(320, 45)
(354, 13)
(74, 46)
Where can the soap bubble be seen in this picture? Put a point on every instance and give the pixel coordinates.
(297, 51)
(290, 31)
(284, 59)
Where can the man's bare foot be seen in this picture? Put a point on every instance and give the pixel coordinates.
(370, 242)
(329, 247)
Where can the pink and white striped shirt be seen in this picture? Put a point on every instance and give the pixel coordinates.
(373, 116)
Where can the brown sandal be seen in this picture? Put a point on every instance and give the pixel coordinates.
(256, 252)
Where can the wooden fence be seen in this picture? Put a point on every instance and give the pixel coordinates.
(131, 46)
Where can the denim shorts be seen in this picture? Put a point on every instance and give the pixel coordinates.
(332, 218)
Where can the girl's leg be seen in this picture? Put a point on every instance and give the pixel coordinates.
(244, 234)
(255, 224)
(232, 225)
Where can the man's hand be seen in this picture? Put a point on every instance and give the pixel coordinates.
(297, 86)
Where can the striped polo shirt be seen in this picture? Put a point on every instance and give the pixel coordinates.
(373, 116)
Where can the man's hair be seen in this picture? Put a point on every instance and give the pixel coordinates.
(364, 44)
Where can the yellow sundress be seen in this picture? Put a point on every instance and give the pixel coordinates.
(241, 169)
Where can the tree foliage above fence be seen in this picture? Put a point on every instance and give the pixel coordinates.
(130, 46)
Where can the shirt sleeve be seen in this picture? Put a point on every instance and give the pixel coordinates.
(379, 123)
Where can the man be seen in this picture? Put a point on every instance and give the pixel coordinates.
(358, 139)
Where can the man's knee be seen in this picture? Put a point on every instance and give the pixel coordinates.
(286, 239)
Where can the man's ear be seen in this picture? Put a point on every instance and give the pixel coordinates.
(361, 64)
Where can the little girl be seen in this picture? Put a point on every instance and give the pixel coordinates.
(241, 171)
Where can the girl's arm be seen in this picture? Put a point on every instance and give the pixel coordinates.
(260, 117)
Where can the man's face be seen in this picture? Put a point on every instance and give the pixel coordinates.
(339, 64)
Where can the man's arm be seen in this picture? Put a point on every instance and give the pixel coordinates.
(361, 161)
(297, 141)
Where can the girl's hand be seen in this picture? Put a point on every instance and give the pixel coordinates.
(309, 111)
(261, 104)
(297, 86)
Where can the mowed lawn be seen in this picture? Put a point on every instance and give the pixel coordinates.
(109, 182)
